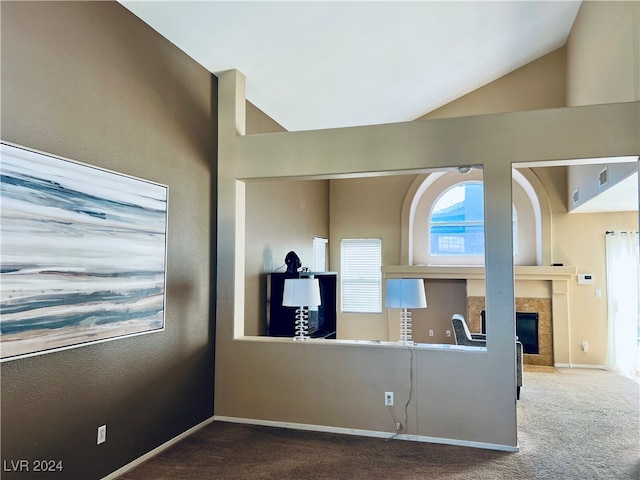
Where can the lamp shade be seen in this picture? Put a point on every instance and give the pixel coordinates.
(301, 292)
(405, 293)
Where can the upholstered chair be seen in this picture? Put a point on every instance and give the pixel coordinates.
(464, 337)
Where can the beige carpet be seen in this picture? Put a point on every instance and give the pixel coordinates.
(573, 425)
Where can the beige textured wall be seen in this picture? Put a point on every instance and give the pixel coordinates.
(259, 122)
(603, 54)
(603, 66)
(366, 208)
(554, 180)
(580, 242)
(444, 298)
(91, 82)
(539, 84)
(281, 216)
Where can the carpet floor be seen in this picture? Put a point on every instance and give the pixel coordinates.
(572, 424)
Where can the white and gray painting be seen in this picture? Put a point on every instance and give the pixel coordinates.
(82, 254)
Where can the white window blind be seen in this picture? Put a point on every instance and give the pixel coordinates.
(360, 272)
(319, 263)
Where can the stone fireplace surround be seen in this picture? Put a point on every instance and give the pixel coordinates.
(542, 306)
(541, 289)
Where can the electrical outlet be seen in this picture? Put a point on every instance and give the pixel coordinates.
(431, 333)
(447, 333)
(585, 346)
(388, 399)
(398, 427)
(102, 434)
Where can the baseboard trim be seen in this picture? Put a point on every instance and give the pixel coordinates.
(157, 450)
(578, 365)
(368, 433)
(309, 427)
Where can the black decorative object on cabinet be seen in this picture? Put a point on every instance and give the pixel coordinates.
(322, 322)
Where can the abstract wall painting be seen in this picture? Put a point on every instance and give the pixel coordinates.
(82, 253)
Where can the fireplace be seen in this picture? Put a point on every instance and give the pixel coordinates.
(524, 305)
(526, 331)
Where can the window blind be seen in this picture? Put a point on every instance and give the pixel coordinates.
(360, 272)
(319, 261)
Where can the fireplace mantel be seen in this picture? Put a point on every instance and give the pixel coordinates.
(471, 272)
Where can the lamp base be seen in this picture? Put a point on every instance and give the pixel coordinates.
(301, 325)
(405, 328)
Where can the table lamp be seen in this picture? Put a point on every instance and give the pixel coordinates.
(302, 293)
(405, 293)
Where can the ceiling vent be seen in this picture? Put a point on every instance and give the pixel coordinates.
(576, 196)
(603, 177)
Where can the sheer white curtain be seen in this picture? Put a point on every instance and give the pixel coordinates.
(623, 353)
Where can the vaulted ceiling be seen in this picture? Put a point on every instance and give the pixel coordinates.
(312, 65)
(327, 64)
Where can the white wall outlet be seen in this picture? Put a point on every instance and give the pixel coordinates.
(102, 434)
(447, 333)
(431, 333)
(388, 399)
(585, 346)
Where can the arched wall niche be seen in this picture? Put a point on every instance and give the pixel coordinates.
(529, 198)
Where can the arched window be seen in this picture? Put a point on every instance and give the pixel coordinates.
(456, 221)
(445, 220)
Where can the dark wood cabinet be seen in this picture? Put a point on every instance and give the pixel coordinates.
(322, 321)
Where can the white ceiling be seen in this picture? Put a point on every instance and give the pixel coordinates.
(327, 64)
(312, 65)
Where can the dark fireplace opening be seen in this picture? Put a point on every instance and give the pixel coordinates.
(526, 330)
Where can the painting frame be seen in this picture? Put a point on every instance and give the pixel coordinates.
(83, 254)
